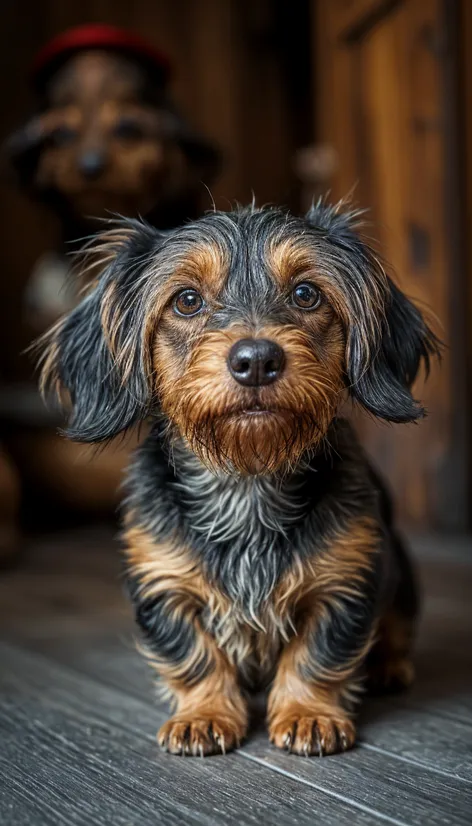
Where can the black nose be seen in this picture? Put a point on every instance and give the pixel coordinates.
(91, 164)
(255, 361)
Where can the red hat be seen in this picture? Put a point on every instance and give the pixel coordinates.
(97, 36)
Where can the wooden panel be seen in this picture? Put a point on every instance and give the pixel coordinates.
(464, 71)
(381, 104)
(353, 17)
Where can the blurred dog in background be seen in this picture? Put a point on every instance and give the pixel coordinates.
(106, 137)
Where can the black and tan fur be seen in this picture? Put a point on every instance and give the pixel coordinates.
(107, 138)
(259, 542)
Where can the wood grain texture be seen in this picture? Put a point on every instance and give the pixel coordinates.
(91, 753)
(78, 715)
(384, 104)
(464, 124)
(435, 753)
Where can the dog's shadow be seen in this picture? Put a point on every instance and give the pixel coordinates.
(443, 681)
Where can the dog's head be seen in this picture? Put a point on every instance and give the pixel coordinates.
(107, 139)
(244, 330)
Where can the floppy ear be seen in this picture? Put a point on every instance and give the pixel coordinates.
(96, 352)
(387, 336)
(384, 387)
(22, 150)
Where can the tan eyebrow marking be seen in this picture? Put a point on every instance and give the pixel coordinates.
(208, 264)
(287, 258)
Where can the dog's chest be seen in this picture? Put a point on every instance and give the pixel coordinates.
(253, 647)
(244, 533)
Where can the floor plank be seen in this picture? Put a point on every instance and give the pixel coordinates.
(78, 714)
(391, 725)
(432, 791)
(93, 758)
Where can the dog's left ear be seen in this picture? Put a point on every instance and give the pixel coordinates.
(22, 150)
(387, 337)
(96, 357)
(405, 342)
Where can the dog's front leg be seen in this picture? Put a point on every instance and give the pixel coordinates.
(211, 714)
(336, 619)
(169, 594)
(317, 674)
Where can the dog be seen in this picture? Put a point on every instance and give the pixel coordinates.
(106, 135)
(260, 544)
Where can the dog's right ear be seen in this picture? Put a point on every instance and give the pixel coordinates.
(22, 150)
(95, 355)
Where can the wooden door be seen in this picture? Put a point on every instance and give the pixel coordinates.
(384, 83)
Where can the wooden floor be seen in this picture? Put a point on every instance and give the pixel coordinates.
(78, 716)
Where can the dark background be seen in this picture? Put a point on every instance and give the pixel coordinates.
(305, 97)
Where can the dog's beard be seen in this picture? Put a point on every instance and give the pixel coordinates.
(265, 430)
(256, 442)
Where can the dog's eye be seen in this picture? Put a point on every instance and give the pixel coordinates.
(128, 129)
(306, 296)
(188, 302)
(62, 136)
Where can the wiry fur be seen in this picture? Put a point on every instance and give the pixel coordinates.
(259, 543)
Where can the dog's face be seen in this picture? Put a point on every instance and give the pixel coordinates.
(104, 141)
(103, 148)
(248, 353)
(244, 330)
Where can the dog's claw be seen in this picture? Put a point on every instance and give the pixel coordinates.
(199, 736)
(290, 738)
(310, 734)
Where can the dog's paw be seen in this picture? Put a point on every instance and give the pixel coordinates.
(308, 733)
(390, 676)
(200, 735)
